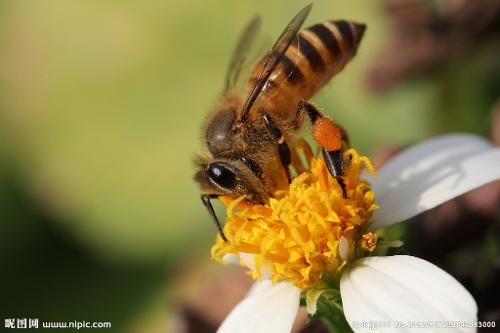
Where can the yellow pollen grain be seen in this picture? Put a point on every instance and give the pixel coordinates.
(296, 235)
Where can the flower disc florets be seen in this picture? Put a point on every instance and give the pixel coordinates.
(308, 232)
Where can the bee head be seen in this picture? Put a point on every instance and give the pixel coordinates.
(227, 177)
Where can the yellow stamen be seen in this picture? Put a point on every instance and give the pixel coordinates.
(296, 235)
(368, 241)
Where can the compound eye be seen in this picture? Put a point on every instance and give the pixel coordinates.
(220, 174)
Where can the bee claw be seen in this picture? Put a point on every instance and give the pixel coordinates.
(335, 165)
(340, 181)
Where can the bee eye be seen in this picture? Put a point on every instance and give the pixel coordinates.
(221, 175)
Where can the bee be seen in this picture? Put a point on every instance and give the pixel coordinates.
(249, 134)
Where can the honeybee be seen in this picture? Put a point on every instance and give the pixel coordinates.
(249, 134)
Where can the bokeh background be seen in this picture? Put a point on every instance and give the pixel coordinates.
(101, 107)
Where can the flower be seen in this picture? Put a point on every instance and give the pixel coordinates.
(311, 234)
(307, 232)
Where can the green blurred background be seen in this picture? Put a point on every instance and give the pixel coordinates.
(101, 107)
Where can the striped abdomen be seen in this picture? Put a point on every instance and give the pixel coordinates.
(314, 57)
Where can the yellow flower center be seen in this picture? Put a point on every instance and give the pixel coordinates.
(308, 232)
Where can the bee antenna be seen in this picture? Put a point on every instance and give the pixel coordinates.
(205, 198)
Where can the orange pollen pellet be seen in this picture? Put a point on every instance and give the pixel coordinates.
(327, 134)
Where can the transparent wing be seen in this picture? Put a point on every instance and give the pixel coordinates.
(272, 60)
(241, 51)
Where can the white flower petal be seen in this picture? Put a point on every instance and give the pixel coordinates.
(249, 261)
(268, 308)
(343, 248)
(231, 259)
(404, 289)
(256, 287)
(431, 173)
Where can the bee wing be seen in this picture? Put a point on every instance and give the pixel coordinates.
(241, 51)
(272, 60)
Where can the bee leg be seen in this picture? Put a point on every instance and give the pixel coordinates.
(331, 138)
(283, 149)
(286, 159)
(314, 114)
(205, 198)
(335, 164)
